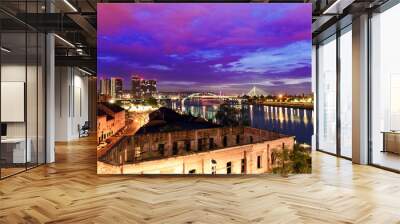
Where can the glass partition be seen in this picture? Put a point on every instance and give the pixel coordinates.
(13, 92)
(346, 92)
(385, 89)
(326, 102)
(22, 77)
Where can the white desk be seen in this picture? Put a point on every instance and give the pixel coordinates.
(17, 145)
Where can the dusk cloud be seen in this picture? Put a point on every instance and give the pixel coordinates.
(272, 60)
(159, 67)
(224, 46)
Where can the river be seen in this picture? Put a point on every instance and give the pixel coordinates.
(289, 121)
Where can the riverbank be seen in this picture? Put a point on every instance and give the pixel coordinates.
(308, 106)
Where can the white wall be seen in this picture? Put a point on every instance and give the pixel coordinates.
(33, 126)
(71, 102)
(13, 73)
(10, 73)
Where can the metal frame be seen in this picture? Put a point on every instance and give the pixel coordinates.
(316, 96)
(338, 98)
(26, 89)
(369, 90)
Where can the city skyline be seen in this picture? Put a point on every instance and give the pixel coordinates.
(108, 89)
(184, 48)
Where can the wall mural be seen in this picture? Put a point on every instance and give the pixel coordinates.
(211, 88)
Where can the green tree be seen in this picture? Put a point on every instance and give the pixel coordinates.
(227, 115)
(284, 167)
(231, 116)
(297, 161)
(244, 117)
(301, 160)
(151, 101)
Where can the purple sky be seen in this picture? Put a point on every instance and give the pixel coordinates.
(228, 47)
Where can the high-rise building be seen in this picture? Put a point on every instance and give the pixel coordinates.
(116, 87)
(136, 86)
(151, 87)
(148, 88)
(105, 87)
(143, 88)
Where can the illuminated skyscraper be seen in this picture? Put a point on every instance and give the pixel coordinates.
(105, 87)
(143, 88)
(149, 88)
(116, 87)
(136, 86)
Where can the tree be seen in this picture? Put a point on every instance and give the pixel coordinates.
(284, 163)
(231, 116)
(297, 160)
(151, 101)
(301, 160)
(244, 117)
(227, 115)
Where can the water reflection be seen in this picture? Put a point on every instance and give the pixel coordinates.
(290, 121)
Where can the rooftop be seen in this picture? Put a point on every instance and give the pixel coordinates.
(101, 113)
(166, 120)
(113, 107)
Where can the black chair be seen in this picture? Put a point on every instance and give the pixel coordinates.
(84, 130)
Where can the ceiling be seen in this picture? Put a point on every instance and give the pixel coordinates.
(74, 22)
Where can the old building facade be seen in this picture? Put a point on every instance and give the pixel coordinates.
(110, 120)
(223, 150)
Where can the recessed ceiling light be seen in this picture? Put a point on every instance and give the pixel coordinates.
(5, 50)
(64, 40)
(84, 71)
(337, 7)
(70, 5)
